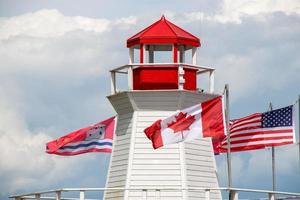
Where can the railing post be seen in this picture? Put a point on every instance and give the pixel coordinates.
(233, 195)
(37, 196)
(207, 194)
(130, 78)
(194, 55)
(181, 80)
(157, 194)
(151, 54)
(181, 54)
(144, 194)
(131, 55)
(81, 195)
(113, 82)
(271, 196)
(212, 81)
(58, 195)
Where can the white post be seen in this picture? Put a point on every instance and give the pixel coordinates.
(233, 195)
(194, 55)
(181, 54)
(144, 53)
(113, 82)
(273, 170)
(228, 137)
(144, 194)
(271, 196)
(131, 55)
(58, 195)
(298, 127)
(81, 195)
(37, 196)
(212, 81)
(181, 80)
(157, 194)
(151, 53)
(207, 194)
(273, 160)
(130, 78)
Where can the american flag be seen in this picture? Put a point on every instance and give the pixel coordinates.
(260, 130)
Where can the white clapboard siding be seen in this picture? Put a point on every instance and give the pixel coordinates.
(154, 168)
(121, 103)
(200, 168)
(134, 162)
(119, 160)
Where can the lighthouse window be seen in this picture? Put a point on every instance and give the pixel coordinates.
(162, 54)
(188, 56)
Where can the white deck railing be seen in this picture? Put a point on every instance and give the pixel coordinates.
(232, 193)
(128, 69)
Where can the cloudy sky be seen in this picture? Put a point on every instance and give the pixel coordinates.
(54, 62)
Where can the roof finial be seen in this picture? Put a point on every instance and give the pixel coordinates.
(162, 17)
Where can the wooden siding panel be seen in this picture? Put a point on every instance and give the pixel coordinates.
(121, 103)
(200, 168)
(119, 161)
(154, 168)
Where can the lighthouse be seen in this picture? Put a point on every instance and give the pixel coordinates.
(157, 90)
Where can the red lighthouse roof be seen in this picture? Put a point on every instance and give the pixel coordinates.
(163, 32)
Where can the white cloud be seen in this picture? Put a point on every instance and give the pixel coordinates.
(23, 160)
(233, 11)
(49, 42)
(49, 23)
(46, 58)
(239, 72)
(255, 57)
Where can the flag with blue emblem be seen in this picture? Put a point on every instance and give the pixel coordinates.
(95, 138)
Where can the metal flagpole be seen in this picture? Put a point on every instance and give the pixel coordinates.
(228, 138)
(298, 127)
(273, 159)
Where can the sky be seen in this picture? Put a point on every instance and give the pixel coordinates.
(54, 78)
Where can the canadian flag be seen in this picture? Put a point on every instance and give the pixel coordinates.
(201, 120)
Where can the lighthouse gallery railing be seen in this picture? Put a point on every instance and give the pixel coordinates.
(128, 69)
(233, 193)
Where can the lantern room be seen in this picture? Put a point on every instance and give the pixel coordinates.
(146, 73)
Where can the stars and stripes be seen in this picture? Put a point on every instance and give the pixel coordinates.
(260, 130)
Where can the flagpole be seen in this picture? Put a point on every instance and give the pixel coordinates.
(228, 137)
(273, 159)
(298, 127)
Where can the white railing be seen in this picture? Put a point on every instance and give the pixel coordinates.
(232, 193)
(128, 69)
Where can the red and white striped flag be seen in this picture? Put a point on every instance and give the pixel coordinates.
(201, 120)
(260, 130)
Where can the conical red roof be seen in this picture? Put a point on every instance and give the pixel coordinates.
(163, 32)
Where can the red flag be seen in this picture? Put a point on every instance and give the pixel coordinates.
(201, 120)
(95, 138)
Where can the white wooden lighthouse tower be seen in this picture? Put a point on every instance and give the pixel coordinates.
(157, 90)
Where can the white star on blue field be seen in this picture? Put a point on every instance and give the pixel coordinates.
(54, 78)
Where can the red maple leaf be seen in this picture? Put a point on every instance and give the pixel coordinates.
(181, 122)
